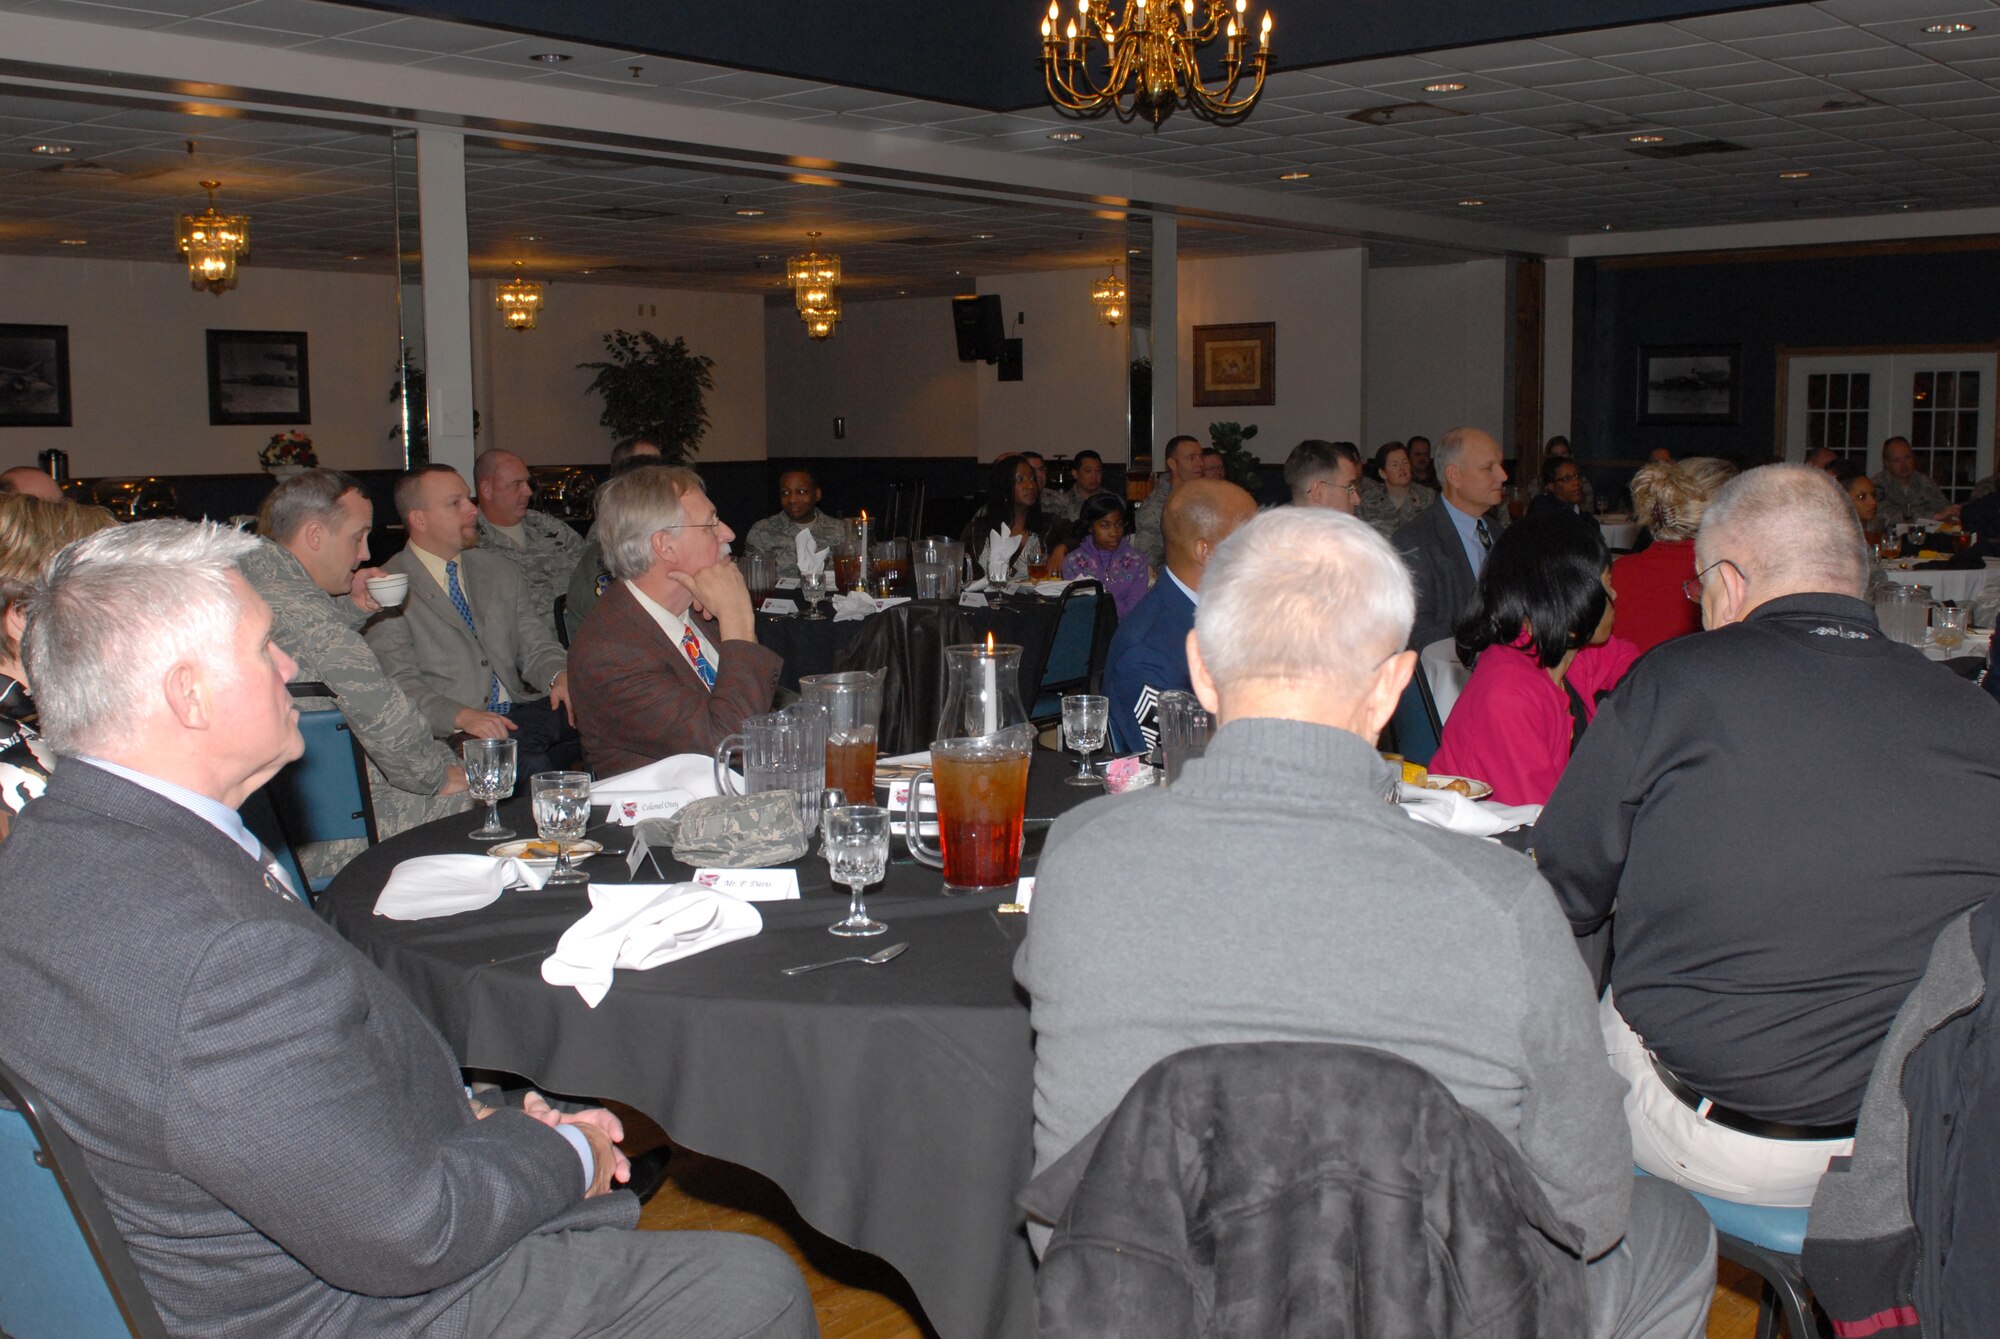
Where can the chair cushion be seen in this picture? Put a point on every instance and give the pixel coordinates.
(1774, 1229)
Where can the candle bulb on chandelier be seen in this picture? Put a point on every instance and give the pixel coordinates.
(1264, 43)
(1072, 39)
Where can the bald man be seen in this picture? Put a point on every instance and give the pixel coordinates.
(543, 547)
(1446, 543)
(1149, 652)
(32, 482)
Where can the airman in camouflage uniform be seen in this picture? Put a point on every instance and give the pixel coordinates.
(798, 496)
(542, 546)
(406, 767)
(1906, 495)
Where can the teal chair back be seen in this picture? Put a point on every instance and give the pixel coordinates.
(1416, 725)
(323, 796)
(1076, 652)
(64, 1270)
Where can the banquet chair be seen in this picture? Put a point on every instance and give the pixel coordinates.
(906, 509)
(260, 814)
(323, 796)
(1766, 1241)
(1416, 727)
(562, 627)
(1075, 662)
(64, 1270)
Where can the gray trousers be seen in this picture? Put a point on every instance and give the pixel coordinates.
(1658, 1282)
(613, 1284)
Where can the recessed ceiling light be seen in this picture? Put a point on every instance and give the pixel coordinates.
(1606, 227)
(1949, 29)
(54, 150)
(749, 213)
(982, 237)
(1448, 86)
(1470, 204)
(529, 237)
(1648, 139)
(72, 241)
(902, 292)
(1135, 250)
(1065, 136)
(1295, 176)
(350, 258)
(1794, 175)
(549, 57)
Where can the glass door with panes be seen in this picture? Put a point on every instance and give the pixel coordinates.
(1852, 403)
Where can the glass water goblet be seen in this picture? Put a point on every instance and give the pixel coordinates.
(1085, 717)
(562, 816)
(812, 585)
(1033, 557)
(857, 854)
(489, 774)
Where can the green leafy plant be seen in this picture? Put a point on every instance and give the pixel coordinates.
(1241, 465)
(653, 387)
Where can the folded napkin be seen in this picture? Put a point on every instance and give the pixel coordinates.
(860, 604)
(1454, 813)
(812, 558)
(998, 559)
(658, 788)
(444, 885)
(640, 926)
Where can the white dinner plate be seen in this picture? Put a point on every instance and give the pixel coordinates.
(1440, 780)
(538, 854)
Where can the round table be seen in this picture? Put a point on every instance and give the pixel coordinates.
(893, 1104)
(1958, 586)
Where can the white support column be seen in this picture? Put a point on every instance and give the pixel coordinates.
(1166, 333)
(447, 297)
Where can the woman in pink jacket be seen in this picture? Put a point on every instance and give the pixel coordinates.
(1539, 640)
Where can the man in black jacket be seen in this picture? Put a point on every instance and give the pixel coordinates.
(1446, 543)
(1784, 811)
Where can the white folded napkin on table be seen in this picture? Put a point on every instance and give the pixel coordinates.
(998, 560)
(659, 788)
(812, 557)
(1454, 813)
(640, 926)
(860, 604)
(444, 885)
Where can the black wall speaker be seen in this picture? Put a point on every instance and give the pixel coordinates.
(1010, 360)
(980, 326)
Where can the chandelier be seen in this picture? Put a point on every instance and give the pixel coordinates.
(815, 281)
(1149, 59)
(1108, 296)
(519, 301)
(212, 243)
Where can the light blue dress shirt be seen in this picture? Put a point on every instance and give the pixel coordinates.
(1468, 535)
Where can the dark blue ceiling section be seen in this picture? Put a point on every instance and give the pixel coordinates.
(986, 53)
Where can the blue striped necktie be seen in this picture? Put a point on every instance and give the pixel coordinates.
(452, 588)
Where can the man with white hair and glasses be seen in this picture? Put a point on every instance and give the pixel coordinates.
(1273, 894)
(283, 1138)
(1727, 804)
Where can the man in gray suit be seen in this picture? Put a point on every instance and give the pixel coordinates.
(472, 645)
(282, 1138)
(1446, 543)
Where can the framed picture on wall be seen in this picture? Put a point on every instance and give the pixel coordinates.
(34, 376)
(1688, 383)
(258, 376)
(1236, 364)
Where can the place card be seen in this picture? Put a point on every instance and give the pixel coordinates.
(773, 605)
(972, 599)
(626, 813)
(643, 836)
(752, 885)
(788, 583)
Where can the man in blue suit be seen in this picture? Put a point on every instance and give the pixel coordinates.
(1149, 652)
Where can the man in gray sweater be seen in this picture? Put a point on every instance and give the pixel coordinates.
(1273, 894)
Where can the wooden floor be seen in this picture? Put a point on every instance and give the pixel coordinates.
(859, 1297)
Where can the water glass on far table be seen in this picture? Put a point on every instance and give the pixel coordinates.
(562, 816)
(812, 585)
(1085, 717)
(857, 854)
(489, 774)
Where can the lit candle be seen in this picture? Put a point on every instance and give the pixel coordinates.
(989, 688)
(1072, 39)
(1264, 43)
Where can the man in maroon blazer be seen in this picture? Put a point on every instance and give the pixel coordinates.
(668, 661)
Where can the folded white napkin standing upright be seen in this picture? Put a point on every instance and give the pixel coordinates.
(659, 788)
(444, 885)
(812, 557)
(998, 559)
(1455, 813)
(640, 926)
(860, 604)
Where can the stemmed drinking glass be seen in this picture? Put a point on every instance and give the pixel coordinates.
(562, 816)
(857, 854)
(812, 585)
(489, 774)
(1084, 719)
(1032, 555)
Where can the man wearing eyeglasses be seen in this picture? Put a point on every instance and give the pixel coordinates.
(1726, 803)
(1324, 474)
(668, 660)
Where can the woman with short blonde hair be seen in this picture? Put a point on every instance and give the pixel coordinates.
(1668, 499)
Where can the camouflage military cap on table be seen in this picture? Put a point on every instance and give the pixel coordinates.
(740, 831)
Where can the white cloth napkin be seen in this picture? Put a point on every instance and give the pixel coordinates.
(811, 556)
(444, 885)
(639, 926)
(692, 774)
(1454, 813)
(860, 604)
(998, 559)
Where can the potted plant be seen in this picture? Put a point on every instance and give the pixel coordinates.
(287, 454)
(654, 387)
(1241, 465)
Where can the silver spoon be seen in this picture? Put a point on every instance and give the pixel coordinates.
(875, 959)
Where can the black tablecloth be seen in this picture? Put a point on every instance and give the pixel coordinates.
(892, 1104)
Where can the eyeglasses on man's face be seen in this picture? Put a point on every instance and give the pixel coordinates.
(1692, 587)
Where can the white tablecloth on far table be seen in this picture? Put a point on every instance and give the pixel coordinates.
(1957, 586)
(1447, 677)
(1620, 532)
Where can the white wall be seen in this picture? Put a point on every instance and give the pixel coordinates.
(1437, 350)
(1075, 386)
(891, 370)
(533, 398)
(138, 359)
(1317, 300)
